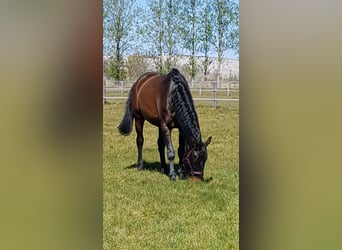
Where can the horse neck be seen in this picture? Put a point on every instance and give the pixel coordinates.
(189, 126)
(184, 109)
(189, 143)
(192, 134)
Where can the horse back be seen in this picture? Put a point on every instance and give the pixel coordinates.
(151, 97)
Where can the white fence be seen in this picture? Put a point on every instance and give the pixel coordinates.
(227, 91)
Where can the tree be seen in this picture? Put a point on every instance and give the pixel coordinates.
(118, 21)
(206, 35)
(153, 32)
(160, 32)
(171, 28)
(136, 66)
(114, 68)
(189, 32)
(226, 29)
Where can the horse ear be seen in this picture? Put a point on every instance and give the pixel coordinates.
(208, 141)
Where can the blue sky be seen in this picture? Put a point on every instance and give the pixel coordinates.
(228, 54)
(231, 54)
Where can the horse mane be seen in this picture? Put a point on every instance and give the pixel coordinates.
(184, 108)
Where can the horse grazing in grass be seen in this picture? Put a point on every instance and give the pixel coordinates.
(166, 102)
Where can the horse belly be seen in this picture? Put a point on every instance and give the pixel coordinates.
(149, 109)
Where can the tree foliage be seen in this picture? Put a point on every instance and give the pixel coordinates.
(165, 29)
(136, 66)
(160, 32)
(118, 22)
(189, 26)
(206, 38)
(225, 28)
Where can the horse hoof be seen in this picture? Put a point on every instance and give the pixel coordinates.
(181, 176)
(140, 167)
(172, 178)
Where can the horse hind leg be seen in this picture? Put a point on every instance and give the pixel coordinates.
(161, 149)
(139, 125)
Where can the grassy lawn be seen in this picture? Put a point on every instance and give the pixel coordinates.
(144, 210)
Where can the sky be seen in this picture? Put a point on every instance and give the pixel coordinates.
(231, 54)
(228, 54)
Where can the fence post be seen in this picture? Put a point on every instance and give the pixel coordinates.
(214, 94)
(122, 86)
(228, 89)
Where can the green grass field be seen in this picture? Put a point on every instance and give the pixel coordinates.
(145, 210)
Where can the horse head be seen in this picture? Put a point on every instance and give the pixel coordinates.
(195, 158)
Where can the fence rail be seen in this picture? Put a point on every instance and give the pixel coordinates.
(199, 91)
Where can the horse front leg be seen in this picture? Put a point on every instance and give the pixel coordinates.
(181, 152)
(161, 149)
(170, 151)
(139, 125)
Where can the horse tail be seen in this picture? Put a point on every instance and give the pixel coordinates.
(126, 125)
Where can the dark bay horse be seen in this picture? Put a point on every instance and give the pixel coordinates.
(166, 102)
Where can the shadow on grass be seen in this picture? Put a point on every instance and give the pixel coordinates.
(155, 166)
(150, 166)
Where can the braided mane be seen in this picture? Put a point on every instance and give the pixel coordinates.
(184, 109)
